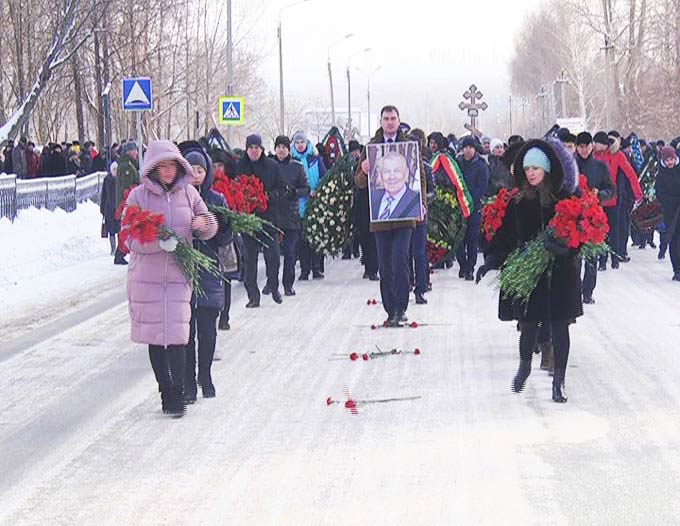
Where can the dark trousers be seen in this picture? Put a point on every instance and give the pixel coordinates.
(271, 260)
(289, 248)
(168, 366)
(612, 213)
(624, 228)
(310, 261)
(467, 251)
(559, 331)
(202, 328)
(674, 249)
(369, 252)
(393, 262)
(589, 277)
(419, 258)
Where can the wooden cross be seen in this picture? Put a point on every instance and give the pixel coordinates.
(472, 107)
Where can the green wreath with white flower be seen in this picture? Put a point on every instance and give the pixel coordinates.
(327, 223)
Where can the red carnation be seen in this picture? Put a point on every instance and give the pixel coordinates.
(365, 357)
(350, 404)
(354, 356)
(329, 401)
(373, 327)
(414, 325)
(416, 352)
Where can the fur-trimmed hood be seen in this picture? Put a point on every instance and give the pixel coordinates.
(564, 174)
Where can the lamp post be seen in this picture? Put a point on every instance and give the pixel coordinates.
(368, 93)
(330, 71)
(280, 38)
(349, 91)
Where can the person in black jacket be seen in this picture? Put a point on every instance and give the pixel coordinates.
(55, 164)
(600, 181)
(255, 162)
(296, 180)
(543, 177)
(107, 207)
(668, 193)
(476, 174)
(205, 307)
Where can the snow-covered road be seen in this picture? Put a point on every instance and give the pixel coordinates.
(82, 440)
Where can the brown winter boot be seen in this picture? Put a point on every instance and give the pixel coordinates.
(547, 361)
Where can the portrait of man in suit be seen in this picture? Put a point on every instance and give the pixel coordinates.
(391, 197)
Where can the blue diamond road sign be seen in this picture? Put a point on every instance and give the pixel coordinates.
(137, 94)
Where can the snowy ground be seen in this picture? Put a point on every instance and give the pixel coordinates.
(53, 262)
(82, 440)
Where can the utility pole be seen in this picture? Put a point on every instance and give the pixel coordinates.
(562, 80)
(230, 64)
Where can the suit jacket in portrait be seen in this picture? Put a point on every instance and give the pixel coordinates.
(408, 206)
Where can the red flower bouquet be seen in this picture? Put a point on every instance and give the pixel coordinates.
(231, 190)
(494, 212)
(146, 227)
(253, 192)
(580, 223)
(579, 227)
(244, 195)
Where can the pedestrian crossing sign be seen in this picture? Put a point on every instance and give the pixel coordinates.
(232, 111)
(137, 94)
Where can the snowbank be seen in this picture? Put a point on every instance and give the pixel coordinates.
(52, 261)
(41, 241)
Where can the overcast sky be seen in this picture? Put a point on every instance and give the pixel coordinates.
(429, 53)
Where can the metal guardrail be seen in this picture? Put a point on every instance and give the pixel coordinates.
(48, 192)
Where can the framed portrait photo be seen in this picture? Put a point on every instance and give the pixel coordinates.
(394, 181)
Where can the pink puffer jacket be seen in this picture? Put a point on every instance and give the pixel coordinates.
(158, 293)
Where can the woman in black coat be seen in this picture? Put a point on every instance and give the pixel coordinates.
(206, 307)
(545, 173)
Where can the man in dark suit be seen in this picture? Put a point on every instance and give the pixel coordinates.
(395, 200)
(393, 238)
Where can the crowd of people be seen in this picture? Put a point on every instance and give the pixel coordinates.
(624, 173)
(26, 161)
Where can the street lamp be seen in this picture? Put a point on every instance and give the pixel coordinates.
(281, 109)
(349, 91)
(368, 93)
(330, 73)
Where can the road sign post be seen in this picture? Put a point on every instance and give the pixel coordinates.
(138, 97)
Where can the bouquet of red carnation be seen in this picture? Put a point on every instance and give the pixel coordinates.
(494, 212)
(579, 224)
(231, 190)
(146, 227)
(253, 191)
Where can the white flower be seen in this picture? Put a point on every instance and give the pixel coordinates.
(332, 222)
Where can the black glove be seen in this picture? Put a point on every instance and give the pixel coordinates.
(558, 248)
(292, 194)
(481, 272)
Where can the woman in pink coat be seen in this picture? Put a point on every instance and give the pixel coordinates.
(158, 293)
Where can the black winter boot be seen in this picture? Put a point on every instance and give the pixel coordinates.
(176, 407)
(521, 377)
(558, 393)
